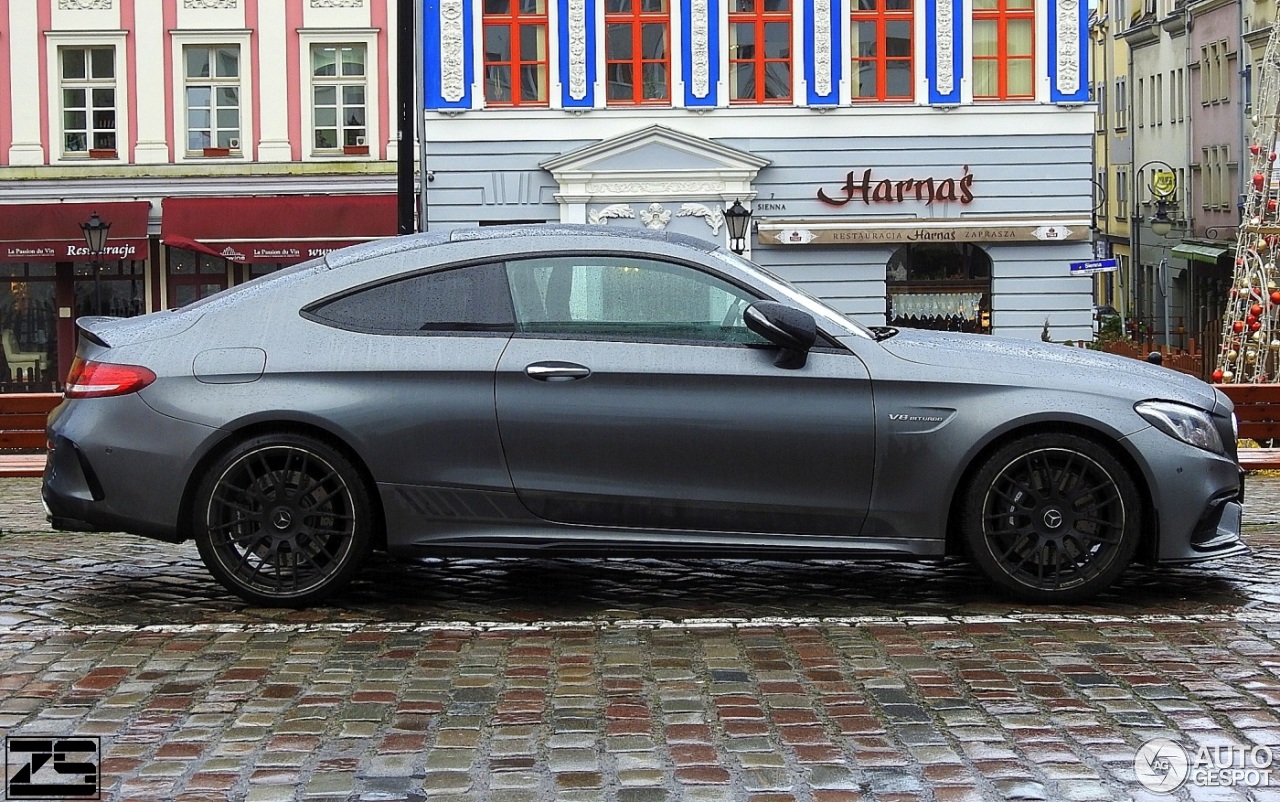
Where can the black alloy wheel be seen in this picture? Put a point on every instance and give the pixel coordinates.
(283, 520)
(1052, 518)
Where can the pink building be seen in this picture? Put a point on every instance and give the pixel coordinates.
(180, 122)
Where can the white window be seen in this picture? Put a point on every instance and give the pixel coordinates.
(1122, 103)
(212, 89)
(1122, 194)
(1157, 99)
(339, 97)
(88, 95)
(1226, 71)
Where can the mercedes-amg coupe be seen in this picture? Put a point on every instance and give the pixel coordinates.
(580, 390)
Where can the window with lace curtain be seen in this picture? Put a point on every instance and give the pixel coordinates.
(1003, 49)
(880, 41)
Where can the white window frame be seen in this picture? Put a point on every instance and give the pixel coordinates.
(248, 91)
(309, 38)
(57, 42)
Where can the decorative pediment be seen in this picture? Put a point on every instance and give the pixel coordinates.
(656, 164)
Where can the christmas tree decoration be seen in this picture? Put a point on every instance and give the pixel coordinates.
(1251, 323)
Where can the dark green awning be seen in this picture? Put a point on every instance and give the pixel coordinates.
(1199, 253)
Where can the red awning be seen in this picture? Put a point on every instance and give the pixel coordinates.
(50, 232)
(285, 228)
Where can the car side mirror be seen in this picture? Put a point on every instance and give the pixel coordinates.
(791, 329)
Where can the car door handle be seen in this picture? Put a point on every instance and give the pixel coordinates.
(557, 371)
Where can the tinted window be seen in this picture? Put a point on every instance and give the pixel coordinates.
(462, 299)
(626, 298)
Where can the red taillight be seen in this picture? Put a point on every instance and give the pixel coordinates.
(101, 379)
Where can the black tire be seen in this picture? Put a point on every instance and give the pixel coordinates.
(1052, 518)
(283, 520)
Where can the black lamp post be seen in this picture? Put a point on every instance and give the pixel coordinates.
(737, 217)
(95, 237)
(1161, 225)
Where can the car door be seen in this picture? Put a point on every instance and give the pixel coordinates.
(633, 395)
(418, 404)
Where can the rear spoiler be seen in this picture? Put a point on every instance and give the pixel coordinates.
(92, 328)
(114, 332)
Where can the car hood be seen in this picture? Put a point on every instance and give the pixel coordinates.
(1050, 365)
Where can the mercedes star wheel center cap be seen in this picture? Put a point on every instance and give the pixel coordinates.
(282, 519)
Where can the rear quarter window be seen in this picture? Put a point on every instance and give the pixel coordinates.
(463, 299)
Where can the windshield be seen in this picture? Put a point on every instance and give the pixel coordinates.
(811, 304)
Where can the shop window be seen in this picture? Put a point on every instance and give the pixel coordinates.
(637, 51)
(760, 51)
(117, 291)
(192, 276)
(515, 52)
(88, 90)
(940, 286)
(212, 91)
(1003, 49)
(28, 327)
(880, 41)
(338, 94)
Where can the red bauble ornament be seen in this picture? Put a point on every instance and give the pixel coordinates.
(1238, 326)
(1271, 156)
(1255, 149)
(1258, 180)
(1249, 320)
(1217, 375)
(1256, 310)
(1275, 297)
(1271, 205)
(1254, 326)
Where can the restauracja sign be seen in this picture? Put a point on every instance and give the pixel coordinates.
(926, 190)
(118, 251)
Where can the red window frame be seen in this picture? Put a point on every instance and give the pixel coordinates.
(1002, 15)
(637, 19)
(759, 17)
(882, 16)
(514, 20)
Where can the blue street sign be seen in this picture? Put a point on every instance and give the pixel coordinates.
(1094, 266)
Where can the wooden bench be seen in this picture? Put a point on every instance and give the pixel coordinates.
(22, 436)
(1258, 411)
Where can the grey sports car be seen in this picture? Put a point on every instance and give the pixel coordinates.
(572, 389)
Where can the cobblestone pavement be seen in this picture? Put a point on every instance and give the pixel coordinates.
(631, 680)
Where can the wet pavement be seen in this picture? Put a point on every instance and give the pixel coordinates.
(631, 680)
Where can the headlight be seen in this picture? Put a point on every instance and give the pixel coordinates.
(1188, 424)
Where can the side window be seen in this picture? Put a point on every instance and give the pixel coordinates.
(623, 298)
(461, 299)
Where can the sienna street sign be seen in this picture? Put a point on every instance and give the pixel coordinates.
(1094, 266)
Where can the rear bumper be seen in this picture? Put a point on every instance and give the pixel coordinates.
(116, 465)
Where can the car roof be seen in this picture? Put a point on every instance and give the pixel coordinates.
(413, 242)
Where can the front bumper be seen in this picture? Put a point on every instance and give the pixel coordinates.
(1197, 499)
